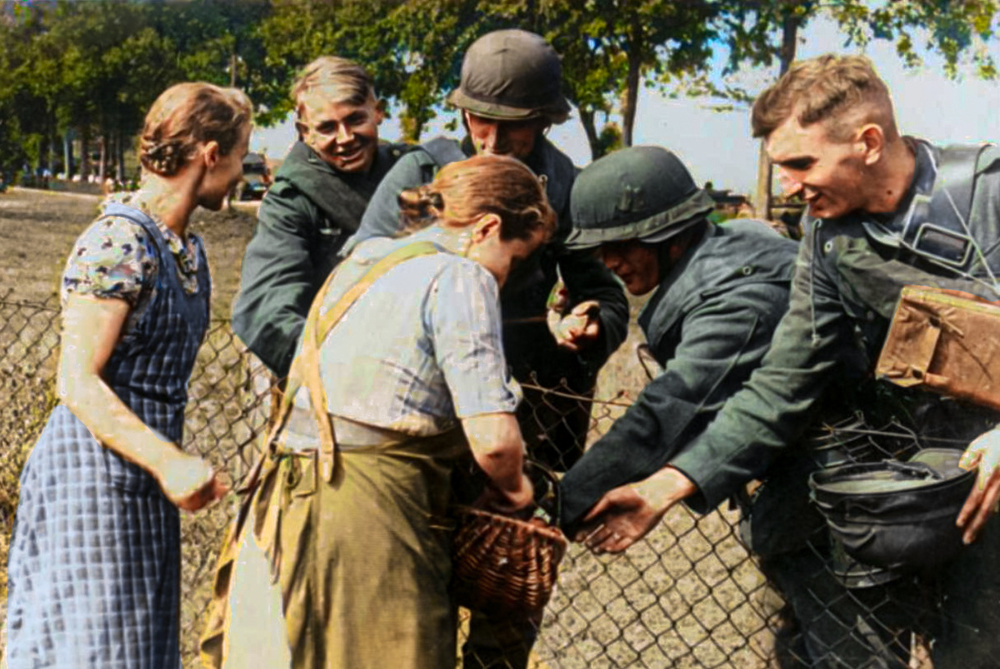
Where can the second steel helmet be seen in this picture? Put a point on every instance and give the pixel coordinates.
(642, 192)
(511, 75)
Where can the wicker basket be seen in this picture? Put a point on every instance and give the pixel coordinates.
(505, 565)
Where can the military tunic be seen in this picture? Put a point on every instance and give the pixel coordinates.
(708, 325)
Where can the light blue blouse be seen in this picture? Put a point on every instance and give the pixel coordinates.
(422, 347)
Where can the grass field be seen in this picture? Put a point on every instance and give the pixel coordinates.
(686, 597)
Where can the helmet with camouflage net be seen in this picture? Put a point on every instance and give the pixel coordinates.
(641, 192)
(511, 75)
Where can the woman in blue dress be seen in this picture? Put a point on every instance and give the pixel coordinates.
(94, 566)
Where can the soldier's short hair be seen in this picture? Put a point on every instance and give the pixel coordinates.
(844, 91)
(350, 82)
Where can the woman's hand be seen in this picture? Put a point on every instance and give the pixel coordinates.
(514, 503)
(91, 328)
(189, 481)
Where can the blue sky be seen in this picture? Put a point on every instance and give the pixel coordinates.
(717, 146)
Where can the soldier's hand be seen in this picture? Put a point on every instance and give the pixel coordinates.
(628, 513)
(578, 328)
(621, 518)
(982, 502)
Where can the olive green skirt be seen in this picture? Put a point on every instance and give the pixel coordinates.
(362, 564)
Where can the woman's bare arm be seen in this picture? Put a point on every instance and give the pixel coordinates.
(91, 328)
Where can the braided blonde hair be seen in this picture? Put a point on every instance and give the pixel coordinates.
(188, 114)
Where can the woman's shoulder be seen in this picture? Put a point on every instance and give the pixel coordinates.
(113, 257)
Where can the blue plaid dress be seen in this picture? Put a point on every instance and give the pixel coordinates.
(94, 567)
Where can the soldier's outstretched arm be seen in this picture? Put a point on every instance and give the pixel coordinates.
(723, 339)
(773, 408)
(627, 514)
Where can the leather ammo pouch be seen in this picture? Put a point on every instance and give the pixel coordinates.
(945, 341)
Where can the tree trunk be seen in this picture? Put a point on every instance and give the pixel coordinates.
(789, 42)
(53, 152)
(120, 158)
(85, 153)
(587, 121)
(68, 153)
(102, 141)
(632, 82)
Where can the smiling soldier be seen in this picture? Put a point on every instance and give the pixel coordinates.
(315, 204)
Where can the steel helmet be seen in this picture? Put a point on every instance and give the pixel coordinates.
(511, 75)
(896, 515)
(642, 192)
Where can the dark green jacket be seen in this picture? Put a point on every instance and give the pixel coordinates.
(708, 324)
(844, 293)
(303, 221)
(526, 291)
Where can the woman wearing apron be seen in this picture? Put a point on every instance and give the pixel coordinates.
(94, 563)
(399, 372)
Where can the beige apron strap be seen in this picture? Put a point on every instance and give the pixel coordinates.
(316, 331)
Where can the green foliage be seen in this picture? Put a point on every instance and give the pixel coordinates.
(94, 67)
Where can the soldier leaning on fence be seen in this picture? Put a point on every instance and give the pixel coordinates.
(319, 194)
(828, 125)
(95, 563)
(720, 292)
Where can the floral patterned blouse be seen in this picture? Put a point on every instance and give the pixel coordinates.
(115, 258)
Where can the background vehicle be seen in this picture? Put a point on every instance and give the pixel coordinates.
(256, 178)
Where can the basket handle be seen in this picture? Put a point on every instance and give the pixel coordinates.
(551, 501)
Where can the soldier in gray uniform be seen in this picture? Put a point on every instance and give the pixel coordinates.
(829, 126)
(319, 194)
(720, 291)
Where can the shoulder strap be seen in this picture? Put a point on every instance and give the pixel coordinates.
(956, 172)
(305, 367)
(442, 151)
(938, 227)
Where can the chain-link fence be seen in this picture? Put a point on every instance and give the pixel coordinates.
(689, 595)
